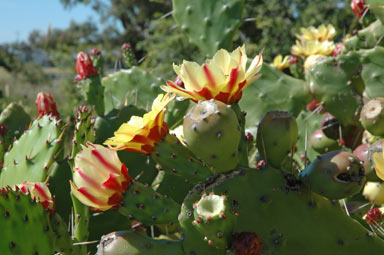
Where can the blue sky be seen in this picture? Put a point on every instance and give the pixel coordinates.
(19, 17)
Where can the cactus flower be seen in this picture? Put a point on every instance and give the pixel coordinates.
(84, 67)
(378, 159)
(281, 63)
(38, 191)
(222, 78)
(140, 134)
(100, 178)
(359, 7)
(309, 48)
(321, 34)
(46, 105)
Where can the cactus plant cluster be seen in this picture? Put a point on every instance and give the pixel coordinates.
(153, 167)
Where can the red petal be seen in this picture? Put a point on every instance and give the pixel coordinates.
(112, 183)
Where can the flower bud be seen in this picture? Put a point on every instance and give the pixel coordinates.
(84, 66)
(100, 178)
(39, 192)
(359, 7)
(46, 105)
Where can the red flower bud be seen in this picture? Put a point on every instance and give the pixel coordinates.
(339, 47)
(84, 66)
(359, 7)
(45, 105)
(3, 129)
(125, 46)
(293, 59)
(95, 52)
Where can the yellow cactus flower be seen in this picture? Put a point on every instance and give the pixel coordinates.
(281, 63)
(321, 34)
(140, 134)
(38, 191)
(378, 159)
(309, 48)
(222, 78)
(99, 179)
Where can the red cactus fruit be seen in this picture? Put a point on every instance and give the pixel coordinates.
(247, 243)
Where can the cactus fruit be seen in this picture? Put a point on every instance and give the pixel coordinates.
(372, 116)
(32, 155)
(335, 175)
(322, 144)
(331, 126)
(210, 125)
(374, 215)
(97, 60)
(277, 133)
(215, 219)
(128, 55)
(135, 243)
(374, 192)
(247, 243)
(209, 24)
(88, 80)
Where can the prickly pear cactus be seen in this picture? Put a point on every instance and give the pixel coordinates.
(132, 86)
(32, 155)
(27, 225)
(210, 125)
(15, 119)
(210, 24)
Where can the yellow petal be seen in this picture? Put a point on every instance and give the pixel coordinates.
(379, 165)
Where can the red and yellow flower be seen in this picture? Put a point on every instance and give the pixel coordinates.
(321, 34)
(46, 105)
(309, 48)
(281, 63)
(39, 192)
(140, 134)
(222, 78)
(99, 177)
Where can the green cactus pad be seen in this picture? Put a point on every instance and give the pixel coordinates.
(281, 212)
(171, 185)
(210, 24)
(63, 244)
(141, 203)
(212, 132)
(93, 92)
(135, 243)
(274, 90)
(15, 119)
(175, 158)
(277, 133)
(331, 82)
(307, 122)
(132, 86)
(372, 73)
(366, 38)
(175, 113)
(26, 225)
(376, 6)
(32, 155)
(335, 175)
(84, 131)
